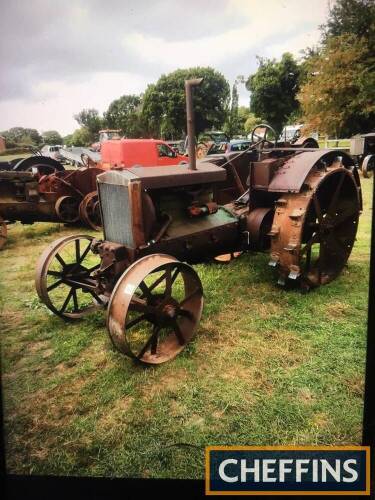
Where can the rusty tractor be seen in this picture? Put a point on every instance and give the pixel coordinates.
(67, 196)
(300, 205)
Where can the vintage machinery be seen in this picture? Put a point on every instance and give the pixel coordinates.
(362, 148)
(300, 205)
(66, 196)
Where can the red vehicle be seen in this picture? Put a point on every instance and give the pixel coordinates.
(146, 152)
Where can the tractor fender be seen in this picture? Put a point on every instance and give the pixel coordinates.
(44, 163)
(291, 175)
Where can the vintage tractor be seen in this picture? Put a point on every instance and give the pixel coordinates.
(362, 148)
(300, 205)
(68, 196)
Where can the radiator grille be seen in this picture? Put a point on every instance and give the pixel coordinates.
(116, 207)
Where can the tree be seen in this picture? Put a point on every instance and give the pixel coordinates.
(124, 114)
(337, 98)
(164, 107)
(51, 137)
(251, 122)
(231, 127)
(20, 135)
(355, 17)
(91, 120)
(80, 137)
(273, 90)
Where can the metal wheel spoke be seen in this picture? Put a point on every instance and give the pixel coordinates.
(145, 290)
(337, 244)
(78, 250)
(149, 341)
(341, 218)
(96, 297)
(54, 285)
(67, 300)
(336, 194)
(168, 282)
(308, 259)
(135, 321)
(157, 282)
(60, 259)
(86, 251)
(93, 268)
(190, 296)
(177, 331)
(140, 305)
(75, 300)
(312, 240)
(54, 273)
(174, 275)
(318, 209)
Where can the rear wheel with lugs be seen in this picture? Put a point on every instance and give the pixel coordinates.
(155, 309)
(313, 232)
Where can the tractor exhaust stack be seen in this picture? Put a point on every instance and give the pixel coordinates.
(190, 120)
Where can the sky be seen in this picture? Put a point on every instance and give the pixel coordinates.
(60, 56)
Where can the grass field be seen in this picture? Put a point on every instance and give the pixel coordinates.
(267, 367)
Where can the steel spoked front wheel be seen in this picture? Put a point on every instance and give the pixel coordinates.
(64, 277)
(155, 309)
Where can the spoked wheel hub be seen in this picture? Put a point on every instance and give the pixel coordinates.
(65, 279)
(155, 309)
(313, 232)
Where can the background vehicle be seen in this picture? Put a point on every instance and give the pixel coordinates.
(146, 152)
(362, 147)
(106, 134)
(52, 152)
(292, 135)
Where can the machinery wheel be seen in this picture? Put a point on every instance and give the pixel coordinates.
(89, 211)
(313, 232)
(43, 164)
(155, 309)
(64, 280)
(368, 166)
(67, 209)
(3, 233)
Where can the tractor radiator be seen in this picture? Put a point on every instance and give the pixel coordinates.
(121, 207)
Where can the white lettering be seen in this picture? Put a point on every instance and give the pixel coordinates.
(315, 476)
(352, 472)
(334, 472)
(301, 470)
(247, 470)
(284, 470)
(268, 470)
(222, 473)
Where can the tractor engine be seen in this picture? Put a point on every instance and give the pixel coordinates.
(163, 210)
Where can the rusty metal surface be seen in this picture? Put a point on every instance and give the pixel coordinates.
(147, 306)
(180, 175)
(313, 232)
(62, 265)
(189, 84)
(291, 175)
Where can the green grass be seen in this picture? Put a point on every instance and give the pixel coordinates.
(268, 366)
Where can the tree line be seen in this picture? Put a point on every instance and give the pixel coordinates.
(329, 89)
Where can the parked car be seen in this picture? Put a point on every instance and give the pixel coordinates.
(178, 146)
(52, 152)
(144, 152)
(228, 147)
